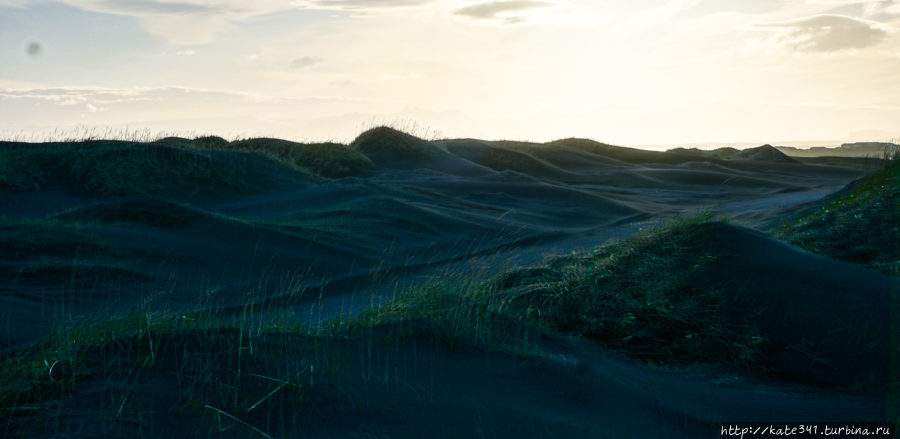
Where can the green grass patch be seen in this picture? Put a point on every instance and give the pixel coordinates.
(640, 296)
(860, 224)
(456, 313)
(203, 367)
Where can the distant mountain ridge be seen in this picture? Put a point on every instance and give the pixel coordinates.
(857, 149)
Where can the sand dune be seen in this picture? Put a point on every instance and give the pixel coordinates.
(828, 321)
(421, 388)
(206, 244)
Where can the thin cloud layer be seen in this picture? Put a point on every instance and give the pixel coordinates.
(500, 10)
(123, 106)
(827, 33)
(192, 22)
(746, 7)
(156, 7)
(69, 96)
(357, 4)
(305, 61)
(13, 3)
(140, 8)
(183, 22)
(872, 5)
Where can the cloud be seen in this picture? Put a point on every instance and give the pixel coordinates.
(13, 3)
(357, 4)
(67, 96)
(400, 77)
(876, 9)
(193, 22)
(177, 96)
(9, 84)
(882, 9)
(305, 61)
(173, 109)
(183, 22)
(342, 82)
(739, 6)
(187, 52)
(156, 7)
(499, 10)
(826, 33)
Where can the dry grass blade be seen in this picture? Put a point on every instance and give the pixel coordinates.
(267, 396)
(232, 417)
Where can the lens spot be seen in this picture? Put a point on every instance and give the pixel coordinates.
(34, 49)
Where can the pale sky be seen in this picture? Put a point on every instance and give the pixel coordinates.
(636, 72)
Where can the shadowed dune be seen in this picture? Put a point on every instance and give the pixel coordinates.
(825, 321)
(392, 149)
(404, 380)
(503, 159)
(717, 293)
(765, 152)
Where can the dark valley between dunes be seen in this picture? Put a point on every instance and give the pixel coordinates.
(402, 287)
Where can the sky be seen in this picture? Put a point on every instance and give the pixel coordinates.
(636, 73)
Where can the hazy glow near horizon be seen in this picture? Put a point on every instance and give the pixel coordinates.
(633, 73)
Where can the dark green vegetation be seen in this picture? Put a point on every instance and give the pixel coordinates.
(859, 224)
(645, 295)
(227, 273)
(705, 292)
(113, 168)
(323, 159)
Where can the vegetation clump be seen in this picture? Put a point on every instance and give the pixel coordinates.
(152, 369)
(330, 160)
(642, 296)
(390, 144)
(859, 224)
(120, 168)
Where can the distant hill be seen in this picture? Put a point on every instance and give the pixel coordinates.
(767, 153)
(858, 149)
